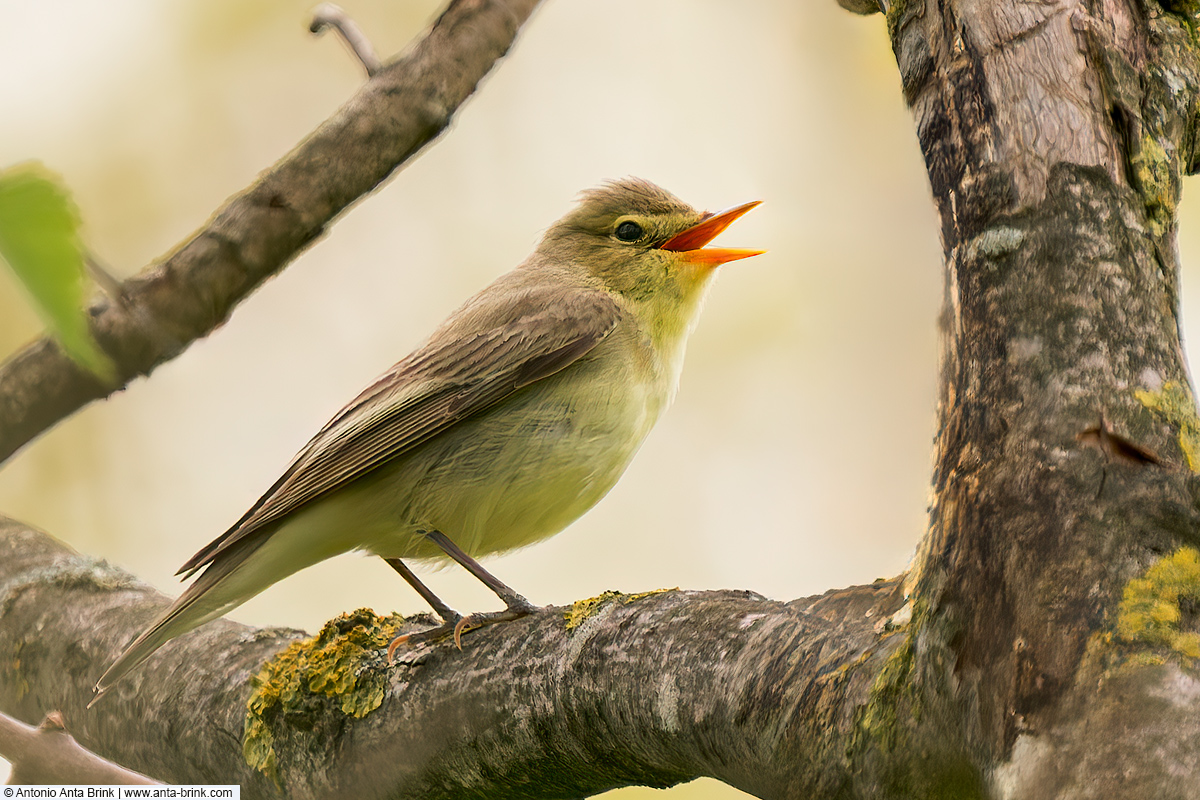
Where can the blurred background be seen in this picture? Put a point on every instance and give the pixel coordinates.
(796, 457)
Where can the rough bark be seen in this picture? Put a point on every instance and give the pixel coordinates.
(652, 690)
(1056, 136)
(193, 289)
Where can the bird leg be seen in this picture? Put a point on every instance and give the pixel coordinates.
(516, 605)
(448, 614)
(502, 590)
(450, 617)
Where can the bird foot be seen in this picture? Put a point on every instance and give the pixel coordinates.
(518, 607)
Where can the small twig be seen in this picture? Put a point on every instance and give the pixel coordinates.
(105, 280)
(117, 292)
(49, 754)
(327, 15)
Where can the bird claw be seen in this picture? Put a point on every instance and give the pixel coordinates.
(417, 638)
(457, 627)
(395, 645)
(461, 627)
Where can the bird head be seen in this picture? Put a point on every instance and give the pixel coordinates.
(644, 243)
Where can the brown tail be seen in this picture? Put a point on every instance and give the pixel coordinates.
(198, 604)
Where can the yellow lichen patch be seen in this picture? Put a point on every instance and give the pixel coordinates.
(1174, 403)
(844, 669)
(895, 13)
(1154, 174)
(334, 663)
(581, 610)
(878, 718)
(1152, 606)
(633, 598)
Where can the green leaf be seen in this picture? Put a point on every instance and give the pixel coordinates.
(39, 238)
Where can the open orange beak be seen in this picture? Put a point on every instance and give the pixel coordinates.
(691, 241)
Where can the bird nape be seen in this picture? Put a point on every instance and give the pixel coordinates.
(516, 416)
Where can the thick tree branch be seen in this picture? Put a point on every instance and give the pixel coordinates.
(256, 233)
(653, 690)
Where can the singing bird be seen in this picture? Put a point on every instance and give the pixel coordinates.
(514, 418)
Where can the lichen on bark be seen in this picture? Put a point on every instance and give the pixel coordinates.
(1160, 609)
(582, 610)
(344, 663)
(1174, 404)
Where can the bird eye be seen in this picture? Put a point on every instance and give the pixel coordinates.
(629, 231)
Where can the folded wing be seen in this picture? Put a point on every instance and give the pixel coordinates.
(449, 379)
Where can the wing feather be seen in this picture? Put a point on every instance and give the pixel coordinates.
(449, 379)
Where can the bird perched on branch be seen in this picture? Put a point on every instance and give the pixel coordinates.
(514, 418)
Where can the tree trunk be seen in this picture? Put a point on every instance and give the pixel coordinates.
(1055, 590)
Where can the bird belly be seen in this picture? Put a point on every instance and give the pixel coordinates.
(506, 478)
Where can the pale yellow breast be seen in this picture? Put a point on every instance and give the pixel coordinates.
(533, 465)
(514, 474)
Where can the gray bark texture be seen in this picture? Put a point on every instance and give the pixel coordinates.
(653, 689)
(1045, 644)
(1056, 136)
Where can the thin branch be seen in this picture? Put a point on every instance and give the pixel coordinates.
(327, 15)
(194, 288)
(48, 754)
(648, 689)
